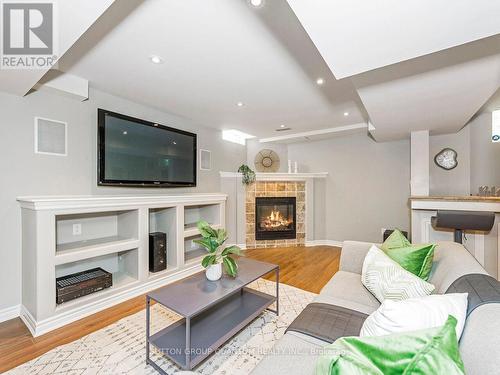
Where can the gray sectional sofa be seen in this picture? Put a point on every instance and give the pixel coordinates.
(297, 353)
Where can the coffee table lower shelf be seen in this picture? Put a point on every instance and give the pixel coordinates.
(211, 328)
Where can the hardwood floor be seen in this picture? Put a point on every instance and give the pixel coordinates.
(307, 268)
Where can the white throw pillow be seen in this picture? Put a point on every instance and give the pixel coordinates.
(386, 279)
(415, 314)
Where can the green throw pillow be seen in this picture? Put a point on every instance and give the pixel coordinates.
(416, 259)
(429, 351)
(395, 241)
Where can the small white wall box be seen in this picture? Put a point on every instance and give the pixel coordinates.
(205, 160)
(51, 137)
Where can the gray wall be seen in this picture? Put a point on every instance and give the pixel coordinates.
(455, 182)
(367, 188)
(485, 155)
(24, 173)
(478, 159)
(254, 146)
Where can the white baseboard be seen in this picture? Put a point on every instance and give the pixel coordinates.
(10, 313)
(38, 328)
(324, 243)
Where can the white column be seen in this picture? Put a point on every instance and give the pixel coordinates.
(419, 184)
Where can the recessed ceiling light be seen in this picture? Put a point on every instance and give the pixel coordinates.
(282, 126)
(239, 104)
(320, 81)
(156, 59)
(346, 113)
(256, 3)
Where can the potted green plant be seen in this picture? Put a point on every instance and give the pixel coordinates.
(248, 174)
(213, 241)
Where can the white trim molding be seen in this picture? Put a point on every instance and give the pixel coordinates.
(10, 313)
(347, 129)
(278, 176)
(92, 201)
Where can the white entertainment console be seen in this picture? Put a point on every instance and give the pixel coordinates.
(63, 235)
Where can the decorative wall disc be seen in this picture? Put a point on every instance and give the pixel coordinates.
(267, 161)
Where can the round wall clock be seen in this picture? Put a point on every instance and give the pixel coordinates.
(267, 161)
(446, 159)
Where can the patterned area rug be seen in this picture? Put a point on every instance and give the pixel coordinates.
(120, 347)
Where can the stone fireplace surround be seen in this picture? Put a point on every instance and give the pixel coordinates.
(302, 186)
(275, 189)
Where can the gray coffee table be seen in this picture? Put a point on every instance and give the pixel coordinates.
(212, 311)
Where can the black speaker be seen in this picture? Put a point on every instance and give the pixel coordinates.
(157, 251)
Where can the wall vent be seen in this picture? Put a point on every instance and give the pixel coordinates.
(50, 137)
(205, 160)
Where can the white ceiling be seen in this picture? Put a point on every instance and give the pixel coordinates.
(75, 17)
(439, 92)
(216, 53)
(412, 65)
(416, 64)
(355, 36)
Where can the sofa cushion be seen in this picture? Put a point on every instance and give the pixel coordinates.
(416, 259)
(386, 279)
(346, 290)
(451, 260)
(292, 354)
(327, 322)
(480, 342)
(396, 240)
(430, 351)
(415, 314)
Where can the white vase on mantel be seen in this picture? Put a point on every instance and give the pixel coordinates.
(214, 272)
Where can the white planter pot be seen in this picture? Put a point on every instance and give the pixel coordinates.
(214, 272)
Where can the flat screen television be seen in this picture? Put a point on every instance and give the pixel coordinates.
(134, 152)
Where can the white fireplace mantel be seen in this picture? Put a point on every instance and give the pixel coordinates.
(231, 184)
(278, 176)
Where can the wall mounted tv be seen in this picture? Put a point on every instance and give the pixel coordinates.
(139, 153)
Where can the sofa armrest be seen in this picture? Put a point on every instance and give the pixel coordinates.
(352, 255)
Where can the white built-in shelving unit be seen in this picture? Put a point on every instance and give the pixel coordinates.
(114, 235)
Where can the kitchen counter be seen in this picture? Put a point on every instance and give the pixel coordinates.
(471, 198)
(483, 245)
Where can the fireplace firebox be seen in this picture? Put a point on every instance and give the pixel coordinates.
(275, 218)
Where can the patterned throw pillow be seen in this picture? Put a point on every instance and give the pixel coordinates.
(386, 279)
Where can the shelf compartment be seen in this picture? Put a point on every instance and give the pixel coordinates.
(208, 212)
(192, 230)
(192, 250)
(99, 229)
(164, 220)
(211, 328)
(80, 250)
(122, 265)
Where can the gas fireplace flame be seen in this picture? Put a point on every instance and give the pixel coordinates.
(275, 220)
